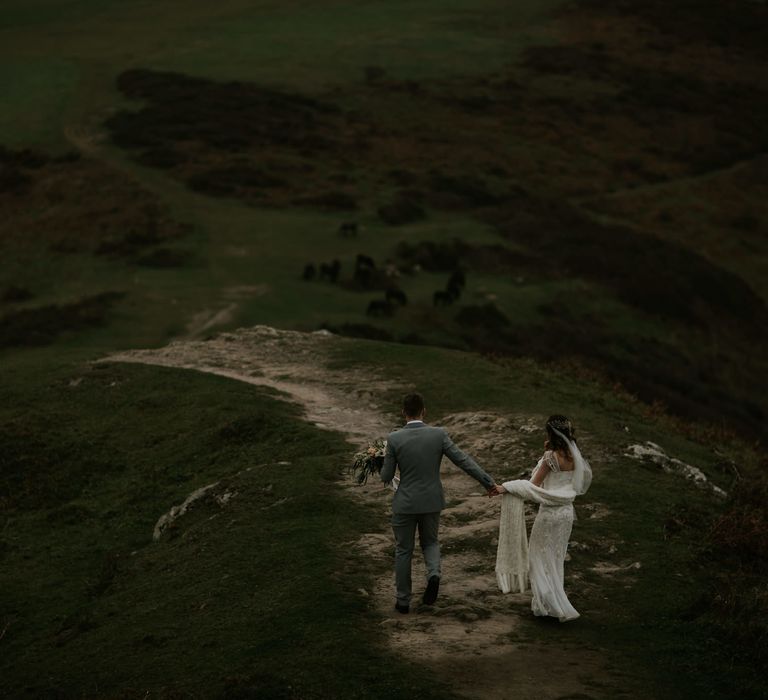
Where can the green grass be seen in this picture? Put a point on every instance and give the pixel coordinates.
(35, 89)
(92, 455)
(648, 627)
(258, 594)
(61, 70)
(93, 607)
(302, 45)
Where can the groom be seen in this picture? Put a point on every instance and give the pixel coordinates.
(417, 450)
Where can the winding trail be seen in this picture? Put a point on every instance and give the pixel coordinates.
(476, 639)
(289, 362)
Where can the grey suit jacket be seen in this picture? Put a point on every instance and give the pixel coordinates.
(417, 450)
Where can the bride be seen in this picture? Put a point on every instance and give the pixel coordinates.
(560, 475)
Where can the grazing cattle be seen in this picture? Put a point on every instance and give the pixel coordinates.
(391, 270)
(397, 295)
(330, 271)
(364, 270)
(348, 229)
(453, 289)
(440, 298)
(364, 261)
(457, 279)
(380, 307)
(309, 272)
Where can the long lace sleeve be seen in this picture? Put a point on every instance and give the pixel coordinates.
(540, 471)
(551, 460)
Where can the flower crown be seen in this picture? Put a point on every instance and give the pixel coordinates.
(562, 426)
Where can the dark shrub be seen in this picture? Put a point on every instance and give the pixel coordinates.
(487, 317)
(161, 158)
(374, 74)
(401, 210)
(431, 256)
(12, 294)
(334, 200)
(164, 257)
(231, 179)
(11, 178)
(25, 158)
(467, 190)
(41, 326)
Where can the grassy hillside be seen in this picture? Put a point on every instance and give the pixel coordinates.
(167, 170)
(242, 596)
(595, 169)
(252, 593)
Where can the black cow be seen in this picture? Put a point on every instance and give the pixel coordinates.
(331, 271)
(453, 289)
(364, 270)
(396, 295)
(380, 307)
(364, 261)
(309, 272)
(348, 229)
(457, 279)
(440, 298)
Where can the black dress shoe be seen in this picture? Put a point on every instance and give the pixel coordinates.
(404, 609)
(430, 595)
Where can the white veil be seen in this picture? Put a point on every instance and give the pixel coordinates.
(582, 472)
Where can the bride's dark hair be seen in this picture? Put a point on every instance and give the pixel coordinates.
(562, 424)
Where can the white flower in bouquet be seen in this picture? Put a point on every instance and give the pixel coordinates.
(370, 461)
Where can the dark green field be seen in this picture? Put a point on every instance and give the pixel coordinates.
(598, 171)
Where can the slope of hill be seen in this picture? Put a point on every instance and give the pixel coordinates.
(282, 553)
(601, 181)
(596, 172)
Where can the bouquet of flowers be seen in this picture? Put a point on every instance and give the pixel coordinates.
(370, 461)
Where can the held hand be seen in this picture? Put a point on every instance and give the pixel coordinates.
(499, 490)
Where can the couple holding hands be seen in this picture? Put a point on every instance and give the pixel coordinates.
(417, 449)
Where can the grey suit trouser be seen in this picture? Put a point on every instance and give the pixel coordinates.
(404, 526)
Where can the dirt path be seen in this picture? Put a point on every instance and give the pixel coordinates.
(472, 638)
(292, 363)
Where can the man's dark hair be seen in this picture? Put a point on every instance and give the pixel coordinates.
(413, 405)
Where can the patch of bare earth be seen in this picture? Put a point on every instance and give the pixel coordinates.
(290, 362)
(475, 637)
(207, 320)
(472, 637)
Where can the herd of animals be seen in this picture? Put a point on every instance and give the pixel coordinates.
(367, 275)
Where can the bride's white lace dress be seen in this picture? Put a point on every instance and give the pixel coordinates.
(540, 562)
(548, 545)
